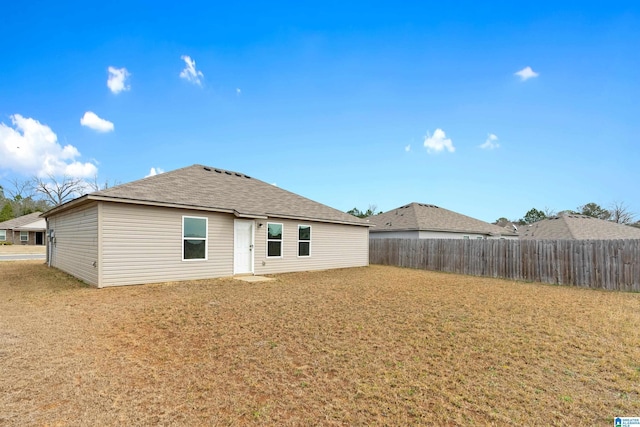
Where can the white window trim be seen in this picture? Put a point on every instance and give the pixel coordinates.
(25, 233)
(305, 241)
(281, 240)
(3, 235)
(206, 239)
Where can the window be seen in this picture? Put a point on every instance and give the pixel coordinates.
(3, 235)
(194, 238)
(274, 240)
(24, 236)
(304, 240)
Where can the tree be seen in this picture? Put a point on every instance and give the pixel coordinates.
(620, 213)
(96, 186)
(533, 215)
(57, 192)
(594, 210)
(501, 222)
(19, 189)
(363, 214)
(7, 212)
(22, 198)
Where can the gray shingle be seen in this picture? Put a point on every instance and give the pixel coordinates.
(578, 227)
(204, 187)
(20, 221)
(424, 217)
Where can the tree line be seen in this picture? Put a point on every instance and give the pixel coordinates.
(618, 212)
(38, 194)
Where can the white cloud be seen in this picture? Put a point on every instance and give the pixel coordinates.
(31, 148)
(116, 80)
(190, 73)
(407, 148)
(438, 142)
(491, 142)
(91, 120)
(238, 91)
(526, 73)
(154, 172)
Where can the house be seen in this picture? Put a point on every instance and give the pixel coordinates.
(423, 221)
(199, 222)
(25, 230)
(577, 227)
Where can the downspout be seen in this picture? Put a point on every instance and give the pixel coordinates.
(48, 243)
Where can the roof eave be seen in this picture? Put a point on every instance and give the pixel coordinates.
(249, 215)
(445, 230)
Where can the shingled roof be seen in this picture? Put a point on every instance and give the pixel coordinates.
(424, 217)
(577, 227)
(213, 189)
(23, 220)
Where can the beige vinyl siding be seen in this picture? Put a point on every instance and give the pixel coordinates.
(76, 243)
(143, 244)
(332, 246)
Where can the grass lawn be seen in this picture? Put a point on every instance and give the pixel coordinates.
(366, 346)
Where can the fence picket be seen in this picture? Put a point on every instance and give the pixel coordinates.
(602, 264)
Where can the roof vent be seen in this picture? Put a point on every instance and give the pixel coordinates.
(218, 170)
(227, 172)
(238, 174)
(207, 169)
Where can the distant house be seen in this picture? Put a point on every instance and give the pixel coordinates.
(25, 230)
(199, 222)
(577, 227)
(423, 221)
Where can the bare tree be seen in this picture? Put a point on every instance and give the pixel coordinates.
(57, 192)
(19, 189)
(620, 213)
(94, 185)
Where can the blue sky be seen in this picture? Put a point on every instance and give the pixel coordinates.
(347, 103)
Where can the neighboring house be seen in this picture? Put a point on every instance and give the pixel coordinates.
(199, 222)
(25, 230)
(422, 221)
(577, 227)
(507, 225)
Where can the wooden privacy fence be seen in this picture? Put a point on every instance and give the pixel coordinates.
(603, 264)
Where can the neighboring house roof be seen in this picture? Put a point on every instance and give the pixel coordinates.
(507, 225)
(423, 217)
(30, 221)
(213, 189)
(578, 227)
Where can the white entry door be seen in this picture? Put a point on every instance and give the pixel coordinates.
(243, 247)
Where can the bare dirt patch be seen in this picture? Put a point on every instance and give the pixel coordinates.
(375, 345)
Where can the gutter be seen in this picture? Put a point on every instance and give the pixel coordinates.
(90, 197)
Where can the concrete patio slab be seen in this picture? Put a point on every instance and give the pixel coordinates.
(253, 278)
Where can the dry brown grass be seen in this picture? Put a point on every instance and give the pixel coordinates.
(366, 346)
(22, 249)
